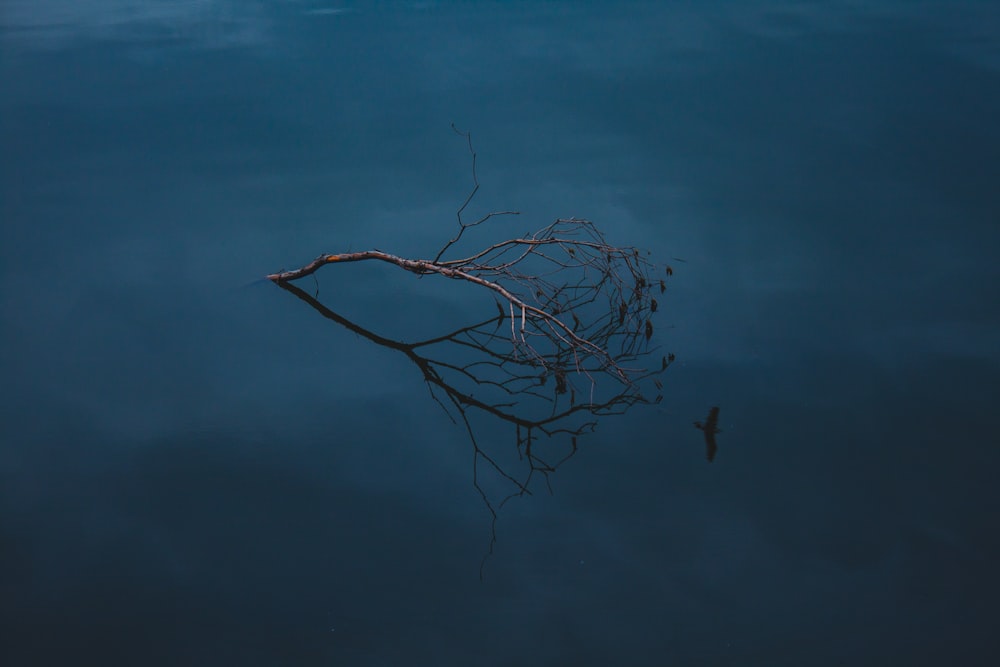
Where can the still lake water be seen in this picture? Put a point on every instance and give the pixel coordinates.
(198, 469)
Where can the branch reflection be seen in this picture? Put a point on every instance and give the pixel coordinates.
(549, 398)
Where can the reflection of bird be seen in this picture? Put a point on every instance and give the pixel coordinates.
(710, 428)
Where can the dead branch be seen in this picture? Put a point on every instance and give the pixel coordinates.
(572, 309)
(549, 281)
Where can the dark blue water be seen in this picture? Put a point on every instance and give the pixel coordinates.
(199, 469)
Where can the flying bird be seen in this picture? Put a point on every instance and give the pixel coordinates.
(710, 428)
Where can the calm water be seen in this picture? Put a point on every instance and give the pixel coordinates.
(198, 469)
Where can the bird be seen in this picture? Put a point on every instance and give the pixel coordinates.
(710, 428)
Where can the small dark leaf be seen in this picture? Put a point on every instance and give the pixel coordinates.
(649, 329)
(670, 271)
(663, 287)
(671, 357)
(653, 305)
(560, 381)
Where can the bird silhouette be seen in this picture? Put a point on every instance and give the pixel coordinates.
(710, 428)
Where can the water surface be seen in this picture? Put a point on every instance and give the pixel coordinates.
(198, 469)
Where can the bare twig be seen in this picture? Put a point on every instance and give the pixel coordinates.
(462, 225)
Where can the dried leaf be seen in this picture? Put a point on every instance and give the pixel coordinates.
(653, 305)
(560, 381)
(649, 329)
